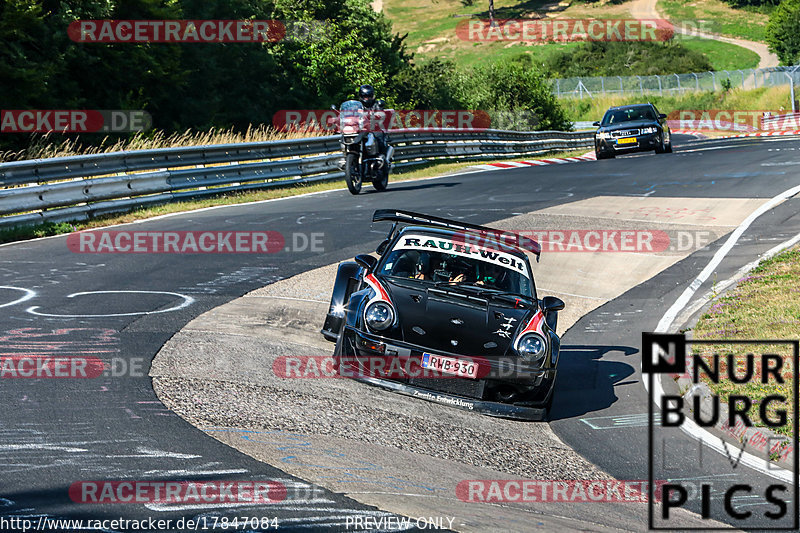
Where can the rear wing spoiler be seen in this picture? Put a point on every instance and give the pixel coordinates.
(496, 235)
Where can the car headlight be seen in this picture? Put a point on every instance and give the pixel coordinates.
(532, 347)
(379, 316)
(649, 130)
(604, 135)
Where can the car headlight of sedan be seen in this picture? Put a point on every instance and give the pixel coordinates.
(379, 316)
(604, 135)
(532, 347)
(649, 130)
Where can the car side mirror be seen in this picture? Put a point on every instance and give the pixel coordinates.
(551, 303)
(662, 115)
(382, 247)
(366, 261)
(596, 123)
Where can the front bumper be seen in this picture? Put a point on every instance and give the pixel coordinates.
(644, 143)
(505, 387)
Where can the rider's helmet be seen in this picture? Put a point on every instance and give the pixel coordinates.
(366, 95)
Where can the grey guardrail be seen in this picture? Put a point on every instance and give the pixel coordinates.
(66, 189)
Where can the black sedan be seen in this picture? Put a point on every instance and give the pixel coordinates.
(632, 128)
(448, 315)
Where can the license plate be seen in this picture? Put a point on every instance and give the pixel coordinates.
(626, 140)
(450, 365)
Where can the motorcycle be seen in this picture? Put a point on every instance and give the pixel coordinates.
(362, 158)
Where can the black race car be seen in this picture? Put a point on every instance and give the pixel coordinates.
(448, 313)
(632, 128)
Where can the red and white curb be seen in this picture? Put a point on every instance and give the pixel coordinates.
(762, 134)
(589, 156)
(689, 132)
(754, 134)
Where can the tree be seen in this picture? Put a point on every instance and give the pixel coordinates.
(783, 32)
(491, 8)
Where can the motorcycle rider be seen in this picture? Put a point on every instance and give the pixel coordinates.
(366, 95)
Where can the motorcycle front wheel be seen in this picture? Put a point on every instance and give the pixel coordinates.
(381, 181)
(352, 174)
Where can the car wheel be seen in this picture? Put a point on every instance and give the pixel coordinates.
(600, 155)
(549, 405)
(669, 147)
(660, 149)
(337, 351)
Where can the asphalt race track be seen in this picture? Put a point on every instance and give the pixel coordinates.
(122, 308)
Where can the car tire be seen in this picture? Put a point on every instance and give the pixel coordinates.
(669, 147)
(549, 405)
(660, 148)
(337, 351)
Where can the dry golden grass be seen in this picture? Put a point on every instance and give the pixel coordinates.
(48, 145)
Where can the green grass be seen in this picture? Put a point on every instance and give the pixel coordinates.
(716, 16)
(723, 56)
(764, 305)
(773, 98)
(413, 173)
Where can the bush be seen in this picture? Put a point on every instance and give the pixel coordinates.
(626, 59)
(507, 88)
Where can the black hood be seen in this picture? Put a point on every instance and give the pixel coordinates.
(455, 320)
(632, 125)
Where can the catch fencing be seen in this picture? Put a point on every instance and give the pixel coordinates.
(675, 84)
(76, 188)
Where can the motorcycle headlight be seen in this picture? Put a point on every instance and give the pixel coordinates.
(349, 130)
(379, 316)
(649, 130)
(532, 347)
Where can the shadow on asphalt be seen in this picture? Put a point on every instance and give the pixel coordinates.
(410, 187)
(585, 382)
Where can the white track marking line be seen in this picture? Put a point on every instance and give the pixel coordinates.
(187, 301)
(27, 296)
(664, 325)
(683, 300)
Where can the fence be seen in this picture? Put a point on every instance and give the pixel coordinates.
(671, 84)
(66, 189)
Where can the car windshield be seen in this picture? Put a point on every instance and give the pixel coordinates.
(628, 114)
(444, 261)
